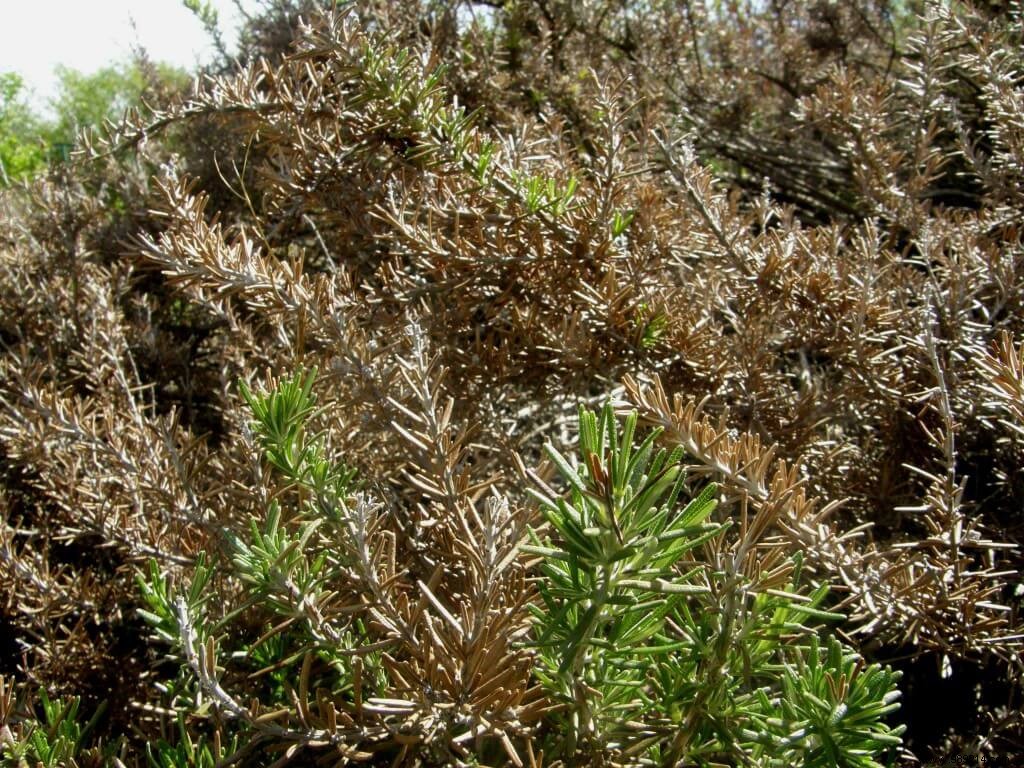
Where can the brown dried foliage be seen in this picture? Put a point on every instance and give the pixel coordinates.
(814, 286)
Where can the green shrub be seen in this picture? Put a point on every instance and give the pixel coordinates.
(657, 638)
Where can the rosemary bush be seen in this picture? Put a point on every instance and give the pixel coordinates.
(664, 642)
(786, 235)
(655, 639)
(49, 733)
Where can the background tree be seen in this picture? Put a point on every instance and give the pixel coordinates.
(21, 147)
(29, 137)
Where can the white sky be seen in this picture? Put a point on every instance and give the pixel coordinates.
(37, 35)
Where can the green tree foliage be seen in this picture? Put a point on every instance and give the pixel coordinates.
(87, 100)
(28, 139)
(21, 131)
